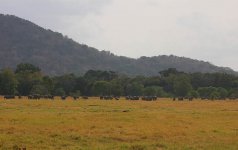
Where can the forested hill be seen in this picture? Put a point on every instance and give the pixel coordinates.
(22, 41)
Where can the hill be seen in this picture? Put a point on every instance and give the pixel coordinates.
(22, 41)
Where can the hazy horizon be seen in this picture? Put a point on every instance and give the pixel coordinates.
(204, 30)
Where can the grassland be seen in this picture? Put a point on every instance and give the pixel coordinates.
(108, 125)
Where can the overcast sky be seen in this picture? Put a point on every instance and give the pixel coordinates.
(200, 29)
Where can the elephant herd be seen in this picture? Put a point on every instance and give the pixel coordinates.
(130, 98)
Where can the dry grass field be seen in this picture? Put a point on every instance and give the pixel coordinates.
(118, 125)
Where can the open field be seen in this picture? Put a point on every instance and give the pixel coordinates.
(133, 125)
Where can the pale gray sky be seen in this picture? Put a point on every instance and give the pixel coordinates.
(200, 29)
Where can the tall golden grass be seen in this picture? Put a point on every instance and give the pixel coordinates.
(108, 125)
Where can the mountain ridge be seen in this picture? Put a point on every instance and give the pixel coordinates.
(22, 41)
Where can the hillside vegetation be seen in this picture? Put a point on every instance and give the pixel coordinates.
(28, 80)
(22, 41)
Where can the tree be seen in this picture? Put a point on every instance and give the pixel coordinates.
(134, 89)
(214, 95)
(59, 92)
(27, 80)
(222, 92)
(233, 93)
(160, 92)
(96, 75)
(39, 89)
(8, 82)
(81, 84)
(193, 94)
(25, 67)
(168, 83)
(101, 88)
(169, 71)
(150, 91)
(48, 83)
(152, 81)
(182, 86)
(206, 91)
(66, 82)
(116, 88)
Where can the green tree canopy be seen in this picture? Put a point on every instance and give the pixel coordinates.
(207, 91)
(182, 85)
(27, 80)
(134, 89)
(101, 88)
(25, 67)
(39, 89)
(222, 92)
(59, 92)
(8, 82)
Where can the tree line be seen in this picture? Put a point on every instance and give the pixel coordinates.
(28, 79)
